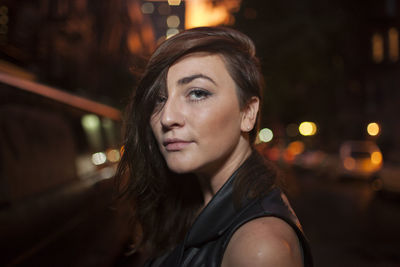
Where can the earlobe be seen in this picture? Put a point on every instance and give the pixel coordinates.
(250, 114)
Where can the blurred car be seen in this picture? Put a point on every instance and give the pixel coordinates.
(360, 159)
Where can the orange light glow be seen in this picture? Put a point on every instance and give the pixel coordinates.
(134, 43)
(373, 129)
(376, 157)
(296, 148)
(288, 156)
(349, 163)
(377, 48)
(205, 13)
(140, 39)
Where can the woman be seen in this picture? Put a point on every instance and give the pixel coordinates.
(202, 196)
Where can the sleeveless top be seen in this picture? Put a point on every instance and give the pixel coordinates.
(207, 239)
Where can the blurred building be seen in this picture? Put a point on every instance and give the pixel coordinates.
(332, 62)
(381, 78)
(92, 47)
(84, 46)
(167, 17)
(371, 92)
(171, 16)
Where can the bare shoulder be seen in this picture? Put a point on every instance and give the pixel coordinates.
(266, 241)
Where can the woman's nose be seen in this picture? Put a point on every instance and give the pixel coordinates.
(172, 114)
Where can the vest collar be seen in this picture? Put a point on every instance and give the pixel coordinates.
(215, 217)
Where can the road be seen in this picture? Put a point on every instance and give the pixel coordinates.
(79, 227)
(347, 223)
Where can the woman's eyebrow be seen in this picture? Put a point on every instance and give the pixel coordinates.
(188, 79)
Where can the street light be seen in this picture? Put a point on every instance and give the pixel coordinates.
(307, 128)
(373, 129)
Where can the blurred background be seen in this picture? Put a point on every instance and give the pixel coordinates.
(330, 120)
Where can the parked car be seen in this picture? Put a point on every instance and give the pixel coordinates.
(360, 159)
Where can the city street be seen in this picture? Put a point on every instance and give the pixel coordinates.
(81, 84)
(347, 223)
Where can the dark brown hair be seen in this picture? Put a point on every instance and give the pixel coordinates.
(164, 203)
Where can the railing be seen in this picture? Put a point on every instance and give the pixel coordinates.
(61, 96)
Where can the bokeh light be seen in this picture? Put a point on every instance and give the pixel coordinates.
(307, 128)
(373, 129)
(90, 122)
(210, 13)
(378, 49)
(171, 32)
(147, 8)
(113, 155)
(99, 158)
(173, 21)
(265, 135)
(174, 2)
(295, 148)
(376, 157)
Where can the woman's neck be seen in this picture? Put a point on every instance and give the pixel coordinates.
(211, 182)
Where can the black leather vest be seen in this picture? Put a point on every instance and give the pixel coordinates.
(206, 241)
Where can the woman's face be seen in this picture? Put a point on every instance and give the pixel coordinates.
(198, 122)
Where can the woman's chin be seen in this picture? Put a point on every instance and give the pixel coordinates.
(182, 167)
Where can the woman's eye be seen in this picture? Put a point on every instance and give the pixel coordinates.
(198, 94)
(161, 99)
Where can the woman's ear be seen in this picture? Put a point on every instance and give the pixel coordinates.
(249, 114)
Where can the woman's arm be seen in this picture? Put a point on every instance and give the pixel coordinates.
(266, 241)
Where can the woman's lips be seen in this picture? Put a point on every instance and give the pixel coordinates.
(175, 144)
